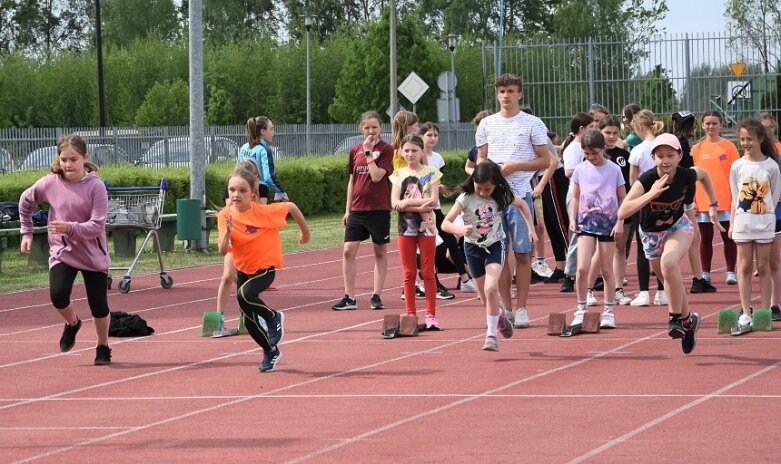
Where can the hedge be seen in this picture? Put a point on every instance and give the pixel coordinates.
(315, 184)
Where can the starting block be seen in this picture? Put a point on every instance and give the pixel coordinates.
(557, 324)
(761, 321)
(403, 325)
(728, 318)
(212, 322)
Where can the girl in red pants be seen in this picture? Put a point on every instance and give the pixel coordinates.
(414, 194)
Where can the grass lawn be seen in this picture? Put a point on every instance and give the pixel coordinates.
(326, 229)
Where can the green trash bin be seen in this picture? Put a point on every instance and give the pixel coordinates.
(188, 219)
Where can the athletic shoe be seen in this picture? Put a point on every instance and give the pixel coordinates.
(443, 294)
(556, 277)
(675, 328)
(599, 284)
(731, 278)
(68, 338)
(701, 286)
(706, 276)
(346, 303)
(276, 328)
(536, 278)
(660, 299)
(568, 286)
(419, 293)
(432, 323)
(690, 338)
(776, 313)
(622, 298)
(102, 355)
(591, 300)
(578, 319)
(521, 319)
(744, 320)
(468, 286)
(491, 343)
(376, 302)
(509, 315)
(542, 268)
(270, 360)
(642, 299)
(505, 326)
(608, 320)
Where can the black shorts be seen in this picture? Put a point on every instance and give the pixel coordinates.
(263, 190)
(364, 224)
(600, 238)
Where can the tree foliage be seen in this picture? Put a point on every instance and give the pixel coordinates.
(758, 21)
(166, 104)
(130, 20)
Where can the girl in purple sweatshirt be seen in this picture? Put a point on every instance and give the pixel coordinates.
(78, 205)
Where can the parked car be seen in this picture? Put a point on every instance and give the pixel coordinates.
(176, 151)
(99, 154)
(6, 164)
(347, 144)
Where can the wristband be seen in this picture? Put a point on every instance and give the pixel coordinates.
(715, 204)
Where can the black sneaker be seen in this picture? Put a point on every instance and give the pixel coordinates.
(68, 338)
(376, 302)
(536, 278)
(568, 286)
(599, 284)
(775, 313)
(675, 329)
(270, 360)
(276, 328)
(102, 355)
(701, 286)
(690, 338)
(557, 277)
(420, 294)
(346, 303)
(443, 294)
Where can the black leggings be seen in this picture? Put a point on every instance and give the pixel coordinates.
(554, 212)
(706, 246)
(61, 278)
(252, 307)
(452, 245)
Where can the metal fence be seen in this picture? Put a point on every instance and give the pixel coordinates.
(169, 146)
(737, 75)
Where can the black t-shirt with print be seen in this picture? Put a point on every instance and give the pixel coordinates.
(662, 212)
(621, 158)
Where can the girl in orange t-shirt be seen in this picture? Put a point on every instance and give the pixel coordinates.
(251, 232)
(715, 155)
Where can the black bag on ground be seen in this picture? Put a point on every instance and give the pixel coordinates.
(10, 209)
(128, 325)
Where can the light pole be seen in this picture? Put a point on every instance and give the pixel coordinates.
(308, 21)
(451, 45)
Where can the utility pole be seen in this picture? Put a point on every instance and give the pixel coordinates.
(394, 95)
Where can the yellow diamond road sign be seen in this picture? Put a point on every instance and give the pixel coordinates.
(737, 68)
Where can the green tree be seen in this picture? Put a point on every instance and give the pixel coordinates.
(226, 21)
(166, 104)
(364, 81)
(219, 108)
(127, 20)
(760, 22)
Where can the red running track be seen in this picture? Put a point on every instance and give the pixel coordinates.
(344, 394)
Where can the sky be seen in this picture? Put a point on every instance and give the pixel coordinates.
(694, 16)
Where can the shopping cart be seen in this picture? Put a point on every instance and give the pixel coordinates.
(137, 208)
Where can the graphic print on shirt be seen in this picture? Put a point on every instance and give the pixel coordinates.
(251, 229)
(485, 221)
(751, 198)
(411, 224)
(597, 215)
(664, 211)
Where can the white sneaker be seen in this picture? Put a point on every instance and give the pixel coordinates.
(642, 299)
(591, 300)
(542, 268)
(660, 299)
(468, 286)
(744, 320)
(608, 320)
(578, 319)
(509, 315)
(731, 278)
(622, 298)
(521, 318)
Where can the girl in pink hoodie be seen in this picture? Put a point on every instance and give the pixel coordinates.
(78, 206)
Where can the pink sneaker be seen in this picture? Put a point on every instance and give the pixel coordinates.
(431, 322)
